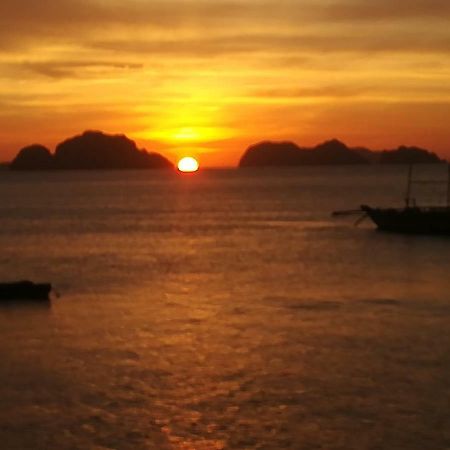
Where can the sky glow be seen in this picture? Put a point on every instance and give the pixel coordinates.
(211, 77)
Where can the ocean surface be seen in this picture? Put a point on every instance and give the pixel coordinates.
(222, 310)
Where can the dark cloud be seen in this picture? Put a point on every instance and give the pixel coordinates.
(76, 69)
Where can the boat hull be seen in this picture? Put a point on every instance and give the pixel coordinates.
(411, 220)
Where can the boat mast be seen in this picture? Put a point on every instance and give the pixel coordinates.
(408, 187)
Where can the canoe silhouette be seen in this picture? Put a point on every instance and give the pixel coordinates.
(25, 290)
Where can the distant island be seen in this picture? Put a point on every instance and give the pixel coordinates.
(331, 152)
(90, 150)
(95, 150)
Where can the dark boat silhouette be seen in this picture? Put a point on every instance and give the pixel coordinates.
(414, 220)
(411, 219)
(25, 291)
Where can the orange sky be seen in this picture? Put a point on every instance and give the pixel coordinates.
(210, 77)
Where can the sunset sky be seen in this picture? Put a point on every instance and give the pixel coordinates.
(207, 78)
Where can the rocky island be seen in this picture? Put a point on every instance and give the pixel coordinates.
(333, 152)
(33, 157)
(90, 150)
(410, 155)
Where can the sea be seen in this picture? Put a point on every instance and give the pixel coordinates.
(225, 309)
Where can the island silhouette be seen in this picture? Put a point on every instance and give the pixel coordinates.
(90, 150)
(333, 152)
(97, 150)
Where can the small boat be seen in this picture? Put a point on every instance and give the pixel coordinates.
(25, 290)
(410, 219)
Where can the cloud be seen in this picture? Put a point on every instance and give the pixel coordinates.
(24, 23)
(289, 43)
(311, 92)
(77, 69)
(374, 10)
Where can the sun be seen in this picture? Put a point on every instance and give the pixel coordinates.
(188, 164)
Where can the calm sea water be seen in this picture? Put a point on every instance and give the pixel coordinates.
(224, 310)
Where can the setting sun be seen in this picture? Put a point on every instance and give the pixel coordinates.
(188, 164)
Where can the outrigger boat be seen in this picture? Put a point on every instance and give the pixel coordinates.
(414, 220)
(411, 218)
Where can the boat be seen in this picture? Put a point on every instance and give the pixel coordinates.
(25, 290)
(411, 219)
